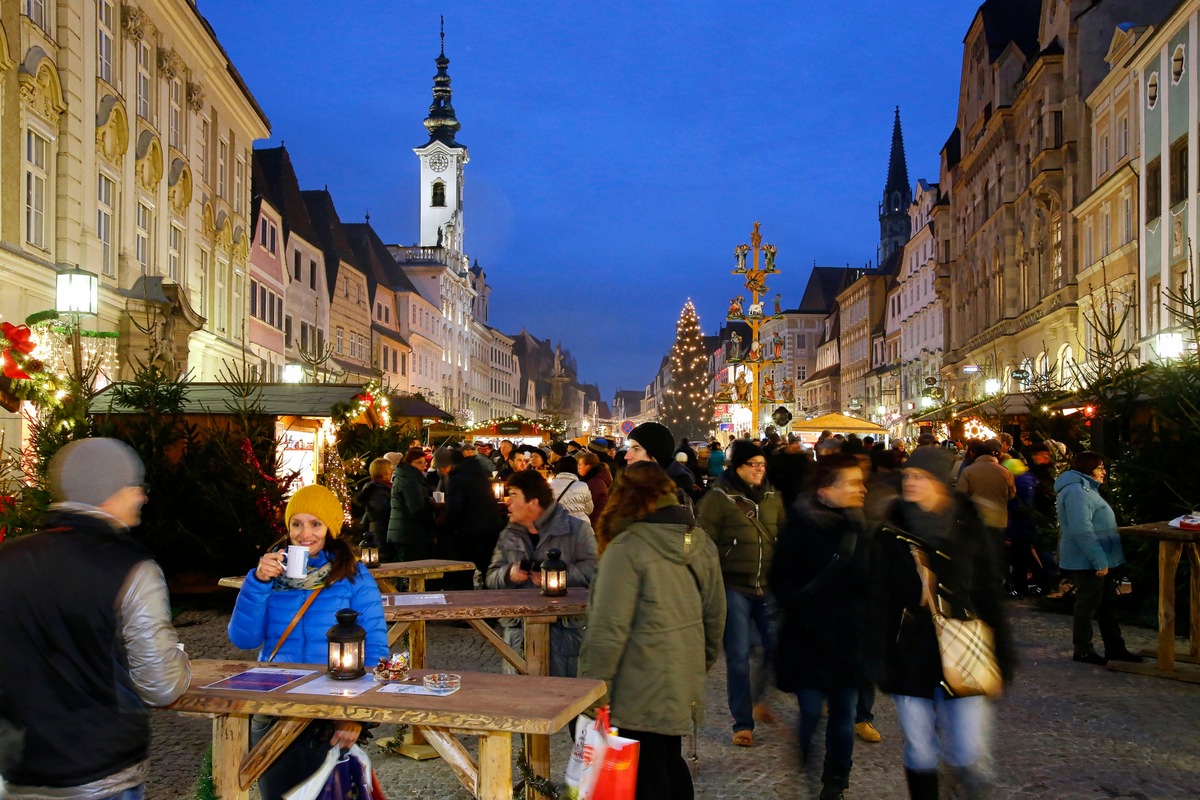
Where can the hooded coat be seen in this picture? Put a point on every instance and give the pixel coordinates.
(1089, 527)
(656, 615)
(411, 517)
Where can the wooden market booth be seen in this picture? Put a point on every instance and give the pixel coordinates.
(519, 432)
(811, 429)
(302, 414)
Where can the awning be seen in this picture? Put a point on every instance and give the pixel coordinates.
(1013, 404)
(275, 400)
(941, 413)
(838, 423)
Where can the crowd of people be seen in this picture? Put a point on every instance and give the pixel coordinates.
(824, 561)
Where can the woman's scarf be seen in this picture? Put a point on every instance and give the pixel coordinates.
(314, 579)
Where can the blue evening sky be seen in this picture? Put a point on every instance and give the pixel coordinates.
(619, 150)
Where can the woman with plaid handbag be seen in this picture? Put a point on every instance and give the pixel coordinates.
(942, 530)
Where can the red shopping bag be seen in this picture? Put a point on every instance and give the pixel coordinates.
(618, 769)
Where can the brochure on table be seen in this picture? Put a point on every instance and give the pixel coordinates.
(328, 687)
(261, 679)
(410, 599)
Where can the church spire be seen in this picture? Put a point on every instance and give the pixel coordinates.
(897, 177)
(441, 122)
(894, 227)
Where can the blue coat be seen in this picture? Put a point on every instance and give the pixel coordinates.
(1089, 527)
(261, 615)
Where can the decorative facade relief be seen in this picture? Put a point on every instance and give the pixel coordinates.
(195, 97)
(179, 181)
(112, 130)
(41, 89)
(136, 23)
(149, 160)
(170, 64)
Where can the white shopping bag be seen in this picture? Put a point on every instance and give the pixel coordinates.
(313, 785)
(587, 754)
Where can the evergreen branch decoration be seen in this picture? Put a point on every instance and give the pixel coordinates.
(205, 789)
(531, 780)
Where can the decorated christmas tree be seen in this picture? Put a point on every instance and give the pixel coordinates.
(687, 405)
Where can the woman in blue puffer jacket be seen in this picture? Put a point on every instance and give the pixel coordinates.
(269, 601)
(1090, 548)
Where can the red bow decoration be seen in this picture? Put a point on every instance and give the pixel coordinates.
(18, 339)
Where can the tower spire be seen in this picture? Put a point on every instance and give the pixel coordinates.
(897, 177)
(441, 122)
(894, 225)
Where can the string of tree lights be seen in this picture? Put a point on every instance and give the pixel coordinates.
(687, 405)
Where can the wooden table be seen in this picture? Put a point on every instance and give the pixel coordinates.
(1172, 542)
(417, 572)
(476, 607)
(491, 706)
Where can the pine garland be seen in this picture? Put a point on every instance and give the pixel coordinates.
(205, 789)
(530, 779)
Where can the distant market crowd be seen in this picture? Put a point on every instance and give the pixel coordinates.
(830, 571)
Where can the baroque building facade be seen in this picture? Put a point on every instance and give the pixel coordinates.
(125, 151)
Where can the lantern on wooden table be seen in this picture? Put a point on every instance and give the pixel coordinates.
(498, 491)
(554, 574)
(368, 551)
(347, 647)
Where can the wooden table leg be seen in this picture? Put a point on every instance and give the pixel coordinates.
(537, 662)
(495, 766)
(416, 659)
(1193, 551)
(1168, 564)
(231, 741)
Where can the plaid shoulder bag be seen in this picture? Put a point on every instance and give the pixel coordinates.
(967, 646)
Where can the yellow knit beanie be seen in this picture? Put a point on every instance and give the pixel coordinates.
(321, 503)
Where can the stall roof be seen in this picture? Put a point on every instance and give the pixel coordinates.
(279, 400)
(838, 423)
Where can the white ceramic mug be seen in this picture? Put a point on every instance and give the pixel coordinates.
(439, 497)
(295, 561)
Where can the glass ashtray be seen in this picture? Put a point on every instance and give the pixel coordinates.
(443, 682)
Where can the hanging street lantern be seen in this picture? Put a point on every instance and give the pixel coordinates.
(554, 574)
(347, 647)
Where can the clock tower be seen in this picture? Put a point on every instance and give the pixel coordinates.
(442, 161)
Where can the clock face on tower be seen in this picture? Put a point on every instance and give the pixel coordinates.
(438, 162)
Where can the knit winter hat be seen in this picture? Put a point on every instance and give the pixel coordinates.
(321, 503)
(933, 459)
(91, 471)
(393, 457)
(442, 458)
(656, 438)
(1016, 466)
(598, 446)
(558, 448)
(742, 451)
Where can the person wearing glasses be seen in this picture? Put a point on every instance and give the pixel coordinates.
(1090, 548)
(742, 514)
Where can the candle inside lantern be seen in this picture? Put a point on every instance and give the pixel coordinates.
(498, 490)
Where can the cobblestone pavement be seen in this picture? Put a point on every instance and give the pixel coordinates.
(1065, 731)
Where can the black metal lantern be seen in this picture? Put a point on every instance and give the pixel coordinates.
(368, 551)
(554, 574)
(347, 647)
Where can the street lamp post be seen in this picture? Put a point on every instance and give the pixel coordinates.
(755, 273)
(76, 292)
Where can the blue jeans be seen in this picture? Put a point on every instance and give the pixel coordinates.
(136, 793)
(955, 731)
(839, 730)
(742, 688)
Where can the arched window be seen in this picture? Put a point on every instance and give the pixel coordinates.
(438, 198)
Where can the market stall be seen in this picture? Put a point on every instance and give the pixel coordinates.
(809, 430)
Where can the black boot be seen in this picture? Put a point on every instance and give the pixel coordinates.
(833, 784)
(922, 785)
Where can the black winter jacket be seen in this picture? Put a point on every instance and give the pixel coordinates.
(904, 652)
(820, 643)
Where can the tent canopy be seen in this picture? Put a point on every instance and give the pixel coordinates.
(838, 423)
